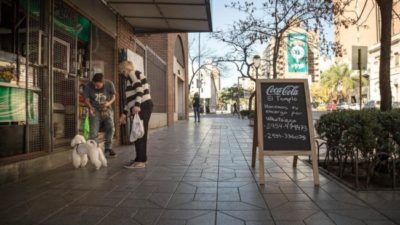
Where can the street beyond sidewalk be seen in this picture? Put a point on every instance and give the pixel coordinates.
(197, 174)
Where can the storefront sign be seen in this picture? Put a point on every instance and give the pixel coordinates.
(297, 53)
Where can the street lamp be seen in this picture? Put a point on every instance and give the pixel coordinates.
(256, 64)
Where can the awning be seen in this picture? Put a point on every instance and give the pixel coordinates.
(148, 16)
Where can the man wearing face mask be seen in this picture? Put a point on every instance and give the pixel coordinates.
(99, 97)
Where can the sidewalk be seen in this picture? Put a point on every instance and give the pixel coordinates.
(198, 174)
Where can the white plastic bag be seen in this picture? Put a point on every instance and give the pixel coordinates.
(137, 128)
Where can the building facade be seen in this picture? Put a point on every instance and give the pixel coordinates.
(373, 70)
(367, 33)
(50, 49)
(207, 82)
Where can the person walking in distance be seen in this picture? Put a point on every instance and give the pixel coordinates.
(138, 100)
(196, 107)
(235, 109)
(99, 96)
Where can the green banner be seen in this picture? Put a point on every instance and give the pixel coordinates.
(13, 108)
(64, 18)
(297, 53)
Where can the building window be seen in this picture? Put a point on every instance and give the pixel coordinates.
(396, 59)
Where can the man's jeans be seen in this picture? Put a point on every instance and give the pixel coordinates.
(108, 124)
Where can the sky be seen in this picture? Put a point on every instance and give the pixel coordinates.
(222, 18)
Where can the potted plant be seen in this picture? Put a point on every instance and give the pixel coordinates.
(244, 113)
(251, 117)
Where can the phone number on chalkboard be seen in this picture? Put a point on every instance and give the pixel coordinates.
(286, 136)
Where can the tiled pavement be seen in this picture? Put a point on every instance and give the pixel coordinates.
(197, 174)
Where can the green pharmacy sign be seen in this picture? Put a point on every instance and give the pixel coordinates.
(297, 53)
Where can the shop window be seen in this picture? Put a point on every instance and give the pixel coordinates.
(22, 92)
(62, 58)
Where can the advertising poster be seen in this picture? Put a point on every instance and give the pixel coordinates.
(297, 53)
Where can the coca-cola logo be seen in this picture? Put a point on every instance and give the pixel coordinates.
(287, 90)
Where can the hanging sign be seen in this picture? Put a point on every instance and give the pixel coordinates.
(297, 53)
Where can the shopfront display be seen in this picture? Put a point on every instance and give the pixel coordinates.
(13, 107)
(21, 78)
(43, 104)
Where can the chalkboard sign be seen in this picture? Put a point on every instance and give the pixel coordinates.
(284, 122)
(284, 116)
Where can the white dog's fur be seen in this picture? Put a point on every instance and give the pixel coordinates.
(91, 148)
(77, 159)
(96, 154)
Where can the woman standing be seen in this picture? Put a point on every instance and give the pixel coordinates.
(138, 100)
(196, 107)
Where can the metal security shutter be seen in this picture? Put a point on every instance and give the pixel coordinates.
(64, 74)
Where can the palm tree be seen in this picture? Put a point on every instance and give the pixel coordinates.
(319, 93)
(338, 80)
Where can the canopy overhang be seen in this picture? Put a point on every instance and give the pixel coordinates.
(151, 16)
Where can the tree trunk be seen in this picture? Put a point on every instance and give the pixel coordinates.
(275, 58)
(251, 100)
(386, 7)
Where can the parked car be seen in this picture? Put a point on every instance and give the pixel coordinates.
(331, 106)
(354, 106)
(342, 106)
(372, 105)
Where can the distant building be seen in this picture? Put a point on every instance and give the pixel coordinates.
(373, 70)
(207, 82)
(326, 62)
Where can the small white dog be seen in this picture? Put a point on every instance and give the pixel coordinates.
(81, 151)
(96, 154)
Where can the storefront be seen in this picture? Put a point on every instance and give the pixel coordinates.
(41, 106)
(49, 49)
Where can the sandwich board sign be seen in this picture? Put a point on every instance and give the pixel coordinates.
(284, 122)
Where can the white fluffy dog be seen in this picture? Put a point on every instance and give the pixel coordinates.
(83, 149)
(96, 154)
(79, 153)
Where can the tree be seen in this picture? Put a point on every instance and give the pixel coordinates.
(319, 94)
(277, 17)
(273, 20)
(338, 81)
(241, 50)
(386, 9)
(204, 60)
(230, 94)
